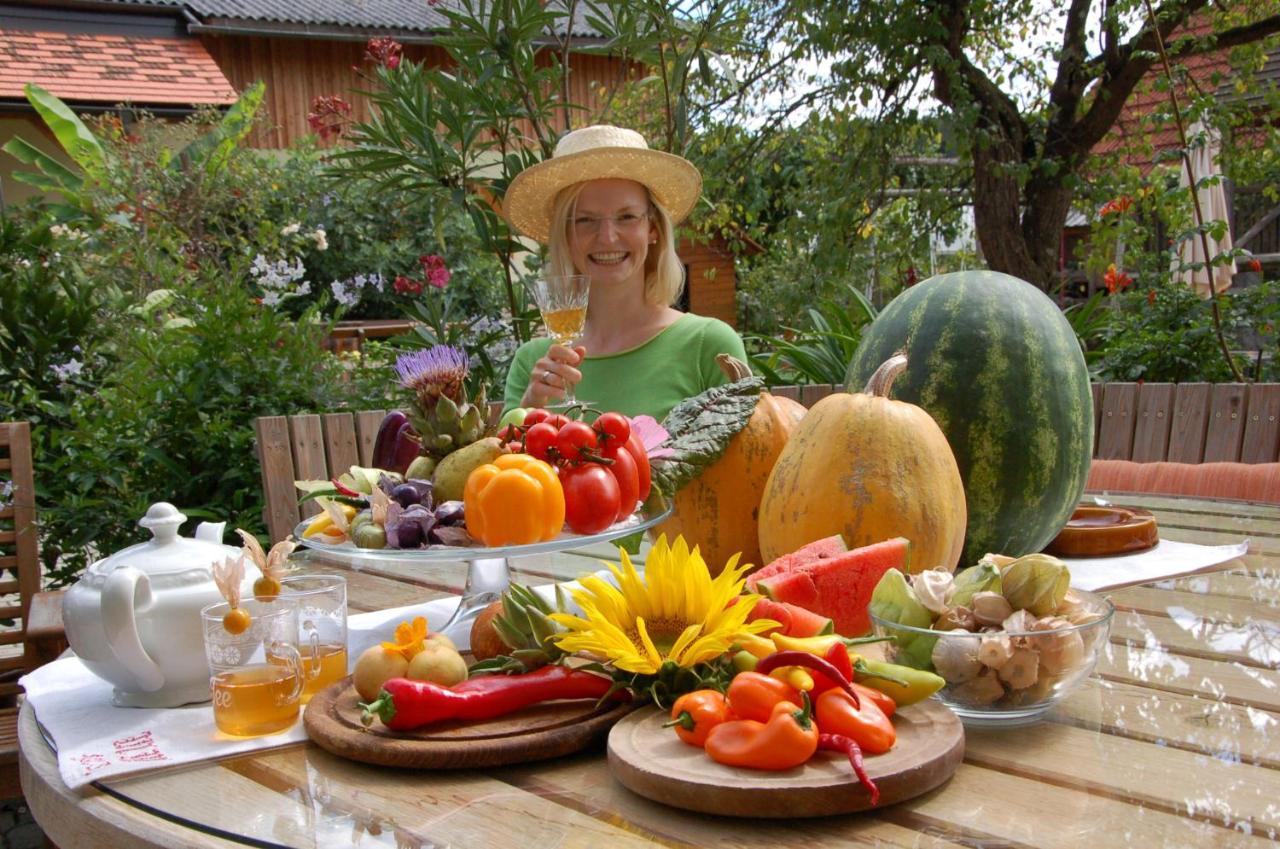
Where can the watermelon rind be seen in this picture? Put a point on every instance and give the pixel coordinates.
(995, 363)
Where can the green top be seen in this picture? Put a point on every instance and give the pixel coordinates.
(651, 378)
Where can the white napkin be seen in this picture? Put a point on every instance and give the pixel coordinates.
(95, 739)
(1168, 559)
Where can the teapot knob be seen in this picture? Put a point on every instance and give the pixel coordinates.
(163, 520)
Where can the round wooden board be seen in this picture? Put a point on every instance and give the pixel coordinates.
(547, 730)
(651, 761)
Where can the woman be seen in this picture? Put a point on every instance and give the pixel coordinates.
(606, 206)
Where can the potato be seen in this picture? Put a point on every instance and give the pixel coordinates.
(437, 637)
(374, 667)
(438, 664)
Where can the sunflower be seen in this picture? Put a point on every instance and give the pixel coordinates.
(677, 613)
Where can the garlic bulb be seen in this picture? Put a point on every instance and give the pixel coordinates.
(1022, 669)
(956, 659)
(958, 618)
(990, 608)
(933, 589)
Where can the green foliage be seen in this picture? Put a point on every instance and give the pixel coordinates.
(821, 353)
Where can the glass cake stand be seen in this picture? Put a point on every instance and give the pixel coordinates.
(488, 570)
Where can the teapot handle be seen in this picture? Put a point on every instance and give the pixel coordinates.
(127, 588)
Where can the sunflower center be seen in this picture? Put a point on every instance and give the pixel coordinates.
(662, 632)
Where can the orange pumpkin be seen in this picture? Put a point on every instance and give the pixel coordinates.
(868, 468)
(717, 510)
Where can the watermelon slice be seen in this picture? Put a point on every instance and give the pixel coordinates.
(839, 586)
(818, 550)
(796, 621)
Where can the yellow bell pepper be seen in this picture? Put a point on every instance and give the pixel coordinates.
(515, 500)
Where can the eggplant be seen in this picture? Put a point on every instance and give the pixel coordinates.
(406, 448)
(384, 443)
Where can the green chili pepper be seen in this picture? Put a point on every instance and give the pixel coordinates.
(904, 685)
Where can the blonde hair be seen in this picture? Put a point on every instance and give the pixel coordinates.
(663, 271)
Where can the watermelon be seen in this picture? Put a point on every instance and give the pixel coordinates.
(995, 363)
(796, 621)
(817, 550)
(840, 586)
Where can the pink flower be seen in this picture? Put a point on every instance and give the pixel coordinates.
(328, 114)
(384, 51)
(437, 273)
(653, 435)
(404, 285)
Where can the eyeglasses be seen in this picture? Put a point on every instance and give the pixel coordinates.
(589, 225)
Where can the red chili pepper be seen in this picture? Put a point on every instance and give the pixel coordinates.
(695, 714)
(343, 489)
(404, 704)
(808, 661)
(840, 743)
(838, 656)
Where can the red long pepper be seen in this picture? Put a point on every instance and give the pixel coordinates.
(404, 704)
(809, 661)
(840, 743)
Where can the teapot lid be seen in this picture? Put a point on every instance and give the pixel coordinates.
(166, 551)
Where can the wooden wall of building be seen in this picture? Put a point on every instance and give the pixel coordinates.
(712, 282)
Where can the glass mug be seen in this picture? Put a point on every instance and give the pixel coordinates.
(257, 675)
(322, 628)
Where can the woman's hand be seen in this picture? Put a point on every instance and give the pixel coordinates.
(552, 374)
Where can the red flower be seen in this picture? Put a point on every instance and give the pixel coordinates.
(436, 272)
(1254, 264)
(328, 114)
(1151, 297)
(403, 285)
(1116, 280)
(384, 51)
(1120, 204)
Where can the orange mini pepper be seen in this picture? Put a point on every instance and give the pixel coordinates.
(514, 500)
(787, 740)
(752, 695)
(863, 723)
(695, 714)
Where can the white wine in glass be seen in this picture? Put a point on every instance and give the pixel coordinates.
(562, 300)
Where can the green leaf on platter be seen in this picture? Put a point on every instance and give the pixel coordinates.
(700, 429)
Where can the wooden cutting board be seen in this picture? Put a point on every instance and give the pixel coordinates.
(652, 761)
(547, 730)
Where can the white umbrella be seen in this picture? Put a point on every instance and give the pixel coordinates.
(1213, 203)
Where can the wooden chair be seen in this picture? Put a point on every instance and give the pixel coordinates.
(311, 446)
(19, 587)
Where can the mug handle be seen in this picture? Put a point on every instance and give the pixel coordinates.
(289, 652)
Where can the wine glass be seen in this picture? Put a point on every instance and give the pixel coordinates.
(562, 300)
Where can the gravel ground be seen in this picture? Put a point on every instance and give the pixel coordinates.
(17, 829)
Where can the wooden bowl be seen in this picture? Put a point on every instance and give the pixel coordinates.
(1094, 531)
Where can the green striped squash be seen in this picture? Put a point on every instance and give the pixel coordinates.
(996, 364)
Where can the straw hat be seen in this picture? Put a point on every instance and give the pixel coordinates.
(599, 153)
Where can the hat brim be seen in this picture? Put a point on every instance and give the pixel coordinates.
(673, 181)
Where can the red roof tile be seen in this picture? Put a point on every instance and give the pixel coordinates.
(111, 68)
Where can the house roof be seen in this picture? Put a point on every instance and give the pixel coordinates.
(109, 68)
(405, 16)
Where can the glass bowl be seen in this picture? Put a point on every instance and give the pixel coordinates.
(1005, 677)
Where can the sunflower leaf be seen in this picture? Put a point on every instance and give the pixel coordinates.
(700, 429)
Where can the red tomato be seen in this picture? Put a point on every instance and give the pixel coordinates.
(636, 447)
(557, 420)
(535, 415)
(515, 448)
(510, 433)
(574, 439)
(538, 440)
(614, 427)
(627, 475)
(591, 498)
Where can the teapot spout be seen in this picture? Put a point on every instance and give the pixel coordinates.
(210, 531)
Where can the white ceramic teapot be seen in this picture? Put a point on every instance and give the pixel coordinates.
(134, 617)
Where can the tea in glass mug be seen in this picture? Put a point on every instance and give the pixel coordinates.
(322, 628)
(256, 675)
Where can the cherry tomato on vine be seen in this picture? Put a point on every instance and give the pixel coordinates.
(591, 498)
(539, 439)
(510, 433)
(614, 427)
(515, 448)
(624, 471)
(641, 456)
(537, 414)
(574, 439)
(557, 420)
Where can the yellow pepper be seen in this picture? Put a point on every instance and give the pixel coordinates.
(755, 644)
(904, 685)
(819, 645)
(514, 500)
(796, 676)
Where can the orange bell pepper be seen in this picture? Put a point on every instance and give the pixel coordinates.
(752, 695)
(514, 500)
(865, 724)
(695, 714)
(787, 740)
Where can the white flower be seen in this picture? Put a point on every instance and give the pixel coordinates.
(6, 494)
(291, 229)
(271, 299)
(321, 240)
(23, 262)
(304, 288)
(62, 231)
(67, 370)
(344, 296)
